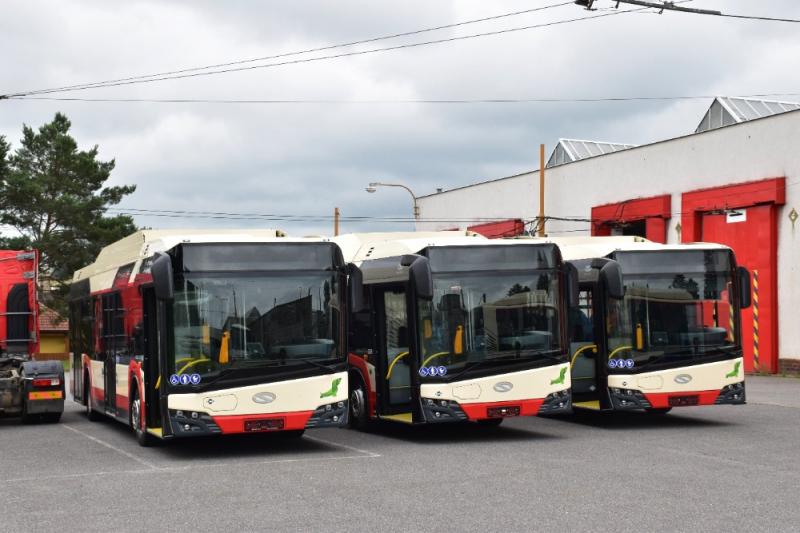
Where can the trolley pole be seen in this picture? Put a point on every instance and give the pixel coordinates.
(335, 221)
(541, 190)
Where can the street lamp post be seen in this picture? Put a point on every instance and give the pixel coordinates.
(372, 187)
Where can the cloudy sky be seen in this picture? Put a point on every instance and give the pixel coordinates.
(305, 159)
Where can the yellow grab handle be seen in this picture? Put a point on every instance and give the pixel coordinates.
(394, 361)
(612, 354)
(191, 364)
(580, 351)
(434, 356)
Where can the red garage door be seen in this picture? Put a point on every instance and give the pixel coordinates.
(744, 217)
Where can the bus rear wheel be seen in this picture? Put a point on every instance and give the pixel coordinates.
(142, 436)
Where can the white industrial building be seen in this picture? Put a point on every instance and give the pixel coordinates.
(735, 180)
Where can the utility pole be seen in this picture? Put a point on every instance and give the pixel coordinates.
(541, 190)
(335, 221)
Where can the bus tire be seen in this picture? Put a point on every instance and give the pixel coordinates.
(91, 414)
(490, 422)
(358, 405)
(142, 436)
(658, 410)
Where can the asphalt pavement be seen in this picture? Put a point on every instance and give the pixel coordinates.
(722, 468)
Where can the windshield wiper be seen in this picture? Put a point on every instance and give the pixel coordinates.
(689, 351)
(314, 363)
(549, 354)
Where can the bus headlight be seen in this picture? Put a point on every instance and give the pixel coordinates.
(732, 394)
(329, 415)
(556, 402)
(442, 410)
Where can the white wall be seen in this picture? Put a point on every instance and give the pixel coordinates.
(764, 148)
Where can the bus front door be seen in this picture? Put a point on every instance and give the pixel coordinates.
(395, 356)
(585, 327)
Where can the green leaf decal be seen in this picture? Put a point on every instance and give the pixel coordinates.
(735, 372)
(331, 393)
(560, 379)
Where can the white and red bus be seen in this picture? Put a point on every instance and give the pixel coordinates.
(451, 327)
(187, 333)
(656, 326)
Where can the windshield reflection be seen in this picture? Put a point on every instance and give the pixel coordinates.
(674, 316)
(488, 317)
(228, 322)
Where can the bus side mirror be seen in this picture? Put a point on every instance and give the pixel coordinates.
(745, 298)
(571, 281)
(355, 285)
(420, 275)
(612, 275)
(163, 280)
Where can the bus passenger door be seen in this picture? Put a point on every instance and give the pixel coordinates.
(108, 302)
(395, 354)
(153, 380)
(584, 352)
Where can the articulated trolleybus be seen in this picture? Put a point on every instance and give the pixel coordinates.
(187, 333)
(448, 327)
(656, 326)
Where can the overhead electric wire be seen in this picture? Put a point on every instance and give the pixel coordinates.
(453, 101)
(670, 6)
(306, 51)
(327, 57)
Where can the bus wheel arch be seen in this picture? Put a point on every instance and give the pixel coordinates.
(135, 418)
(359, 401)
(91, 414)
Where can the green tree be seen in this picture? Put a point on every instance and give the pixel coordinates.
(55, 196)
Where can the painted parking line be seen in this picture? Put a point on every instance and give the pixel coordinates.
(345, 446)
(101, 442)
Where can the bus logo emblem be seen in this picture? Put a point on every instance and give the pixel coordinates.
(264, 397)
(503, 386)
(683, 379)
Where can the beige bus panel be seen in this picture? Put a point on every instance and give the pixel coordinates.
(295, 395)
(705, 377)
(526, 385)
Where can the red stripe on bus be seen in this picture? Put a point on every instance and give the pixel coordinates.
(235, 423)
(477, 411)
(661, 399)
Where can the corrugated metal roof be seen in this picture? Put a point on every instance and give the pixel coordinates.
(727, 110)
(569, 150)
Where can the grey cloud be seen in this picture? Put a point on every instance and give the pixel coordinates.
(306, 159)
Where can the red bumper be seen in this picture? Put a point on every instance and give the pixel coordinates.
(481, 411)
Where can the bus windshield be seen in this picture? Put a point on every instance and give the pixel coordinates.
(678, 307)
(225, 321)
(488, 318)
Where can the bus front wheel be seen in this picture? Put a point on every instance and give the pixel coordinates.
(142, 436)
(359, 415)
